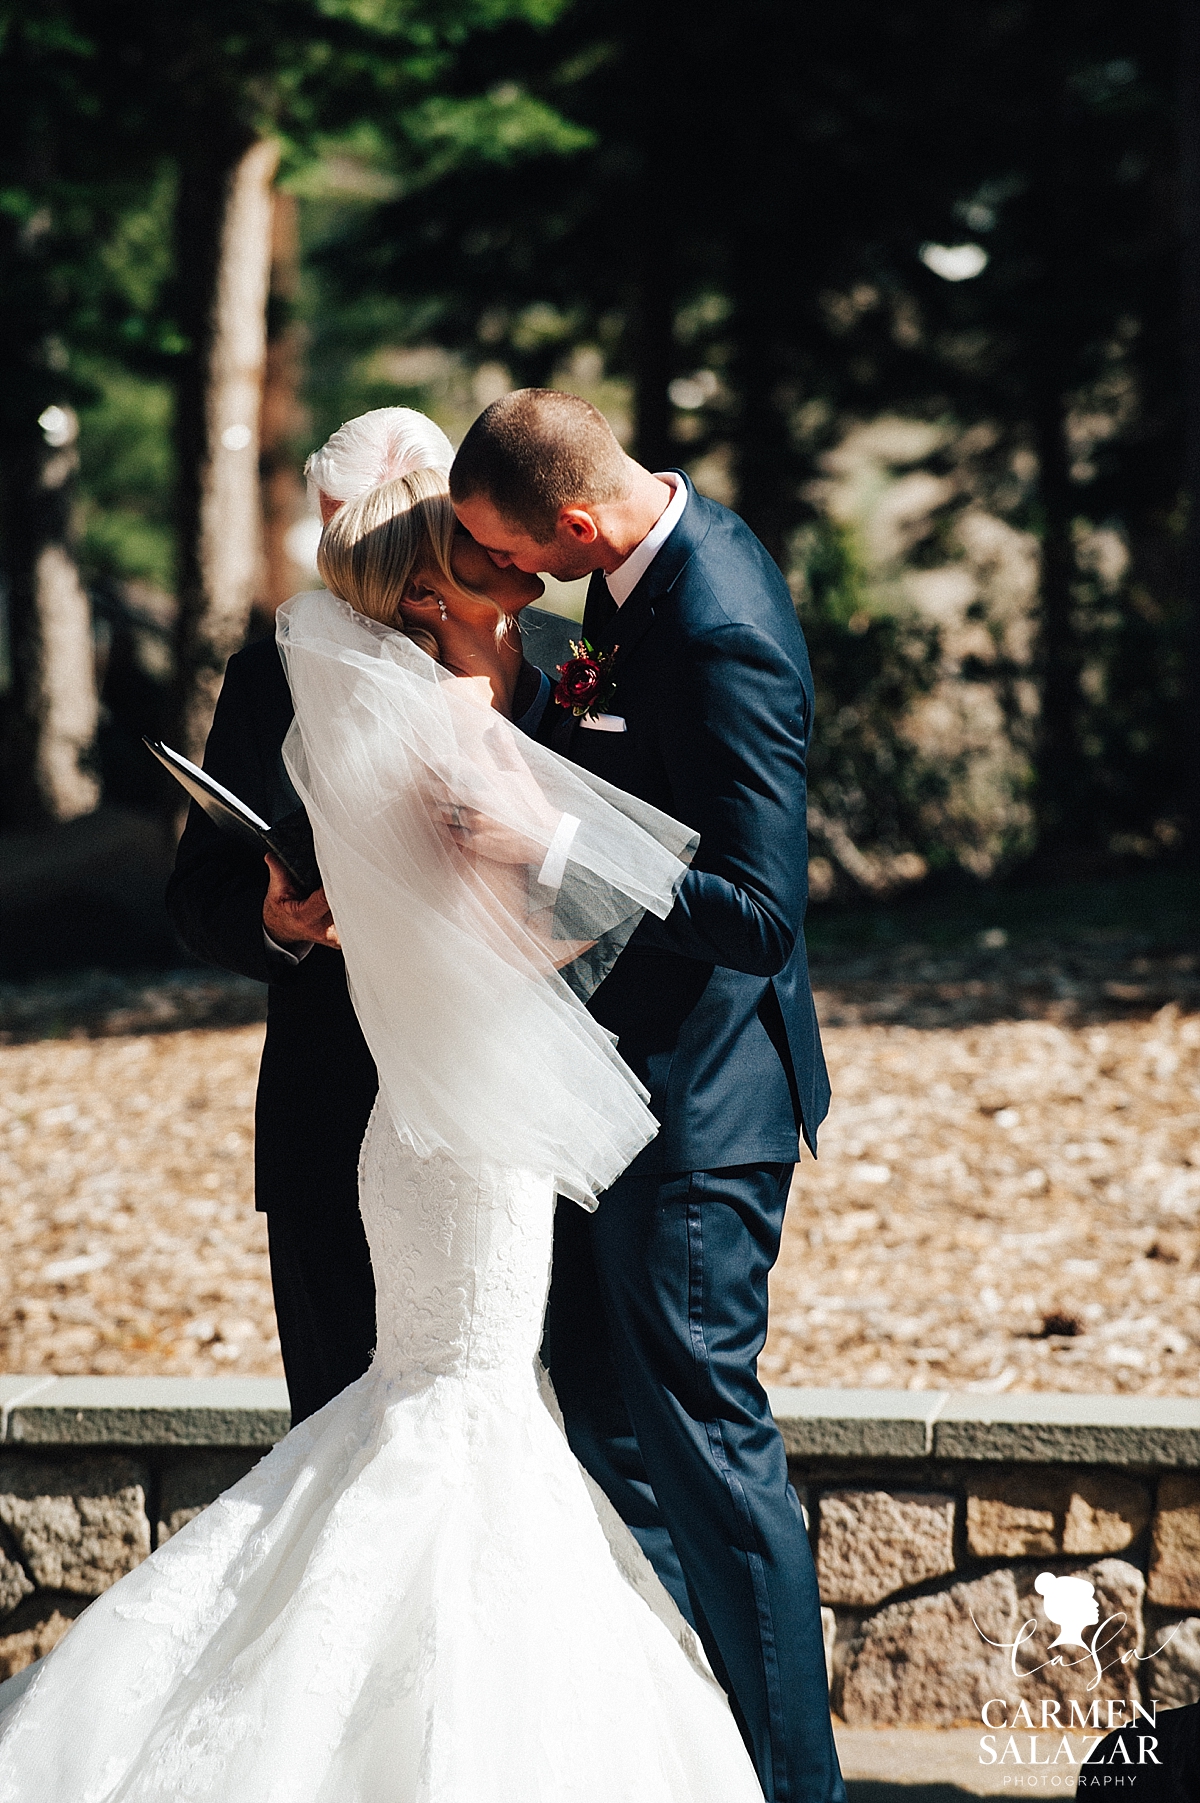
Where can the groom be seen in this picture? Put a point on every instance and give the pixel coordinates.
(658, 1305)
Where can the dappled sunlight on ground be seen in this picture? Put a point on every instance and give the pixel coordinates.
(1000, 1202)
(126, 1207)
(1007, 1206)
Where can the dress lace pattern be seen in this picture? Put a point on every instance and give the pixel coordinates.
(416, 1597)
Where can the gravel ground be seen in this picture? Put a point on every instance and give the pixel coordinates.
(1007, 1195)
(126, 1206)
(1008, 1206)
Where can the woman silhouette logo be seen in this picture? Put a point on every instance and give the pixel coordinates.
(1070, 1603)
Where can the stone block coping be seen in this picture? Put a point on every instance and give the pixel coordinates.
(1045, 1427)
(1042, 1428)
(1074, 1430)
(857, 1424)
(143, 1411)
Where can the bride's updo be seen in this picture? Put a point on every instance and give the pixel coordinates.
(372, 547)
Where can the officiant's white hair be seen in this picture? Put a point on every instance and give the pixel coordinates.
(377, 447)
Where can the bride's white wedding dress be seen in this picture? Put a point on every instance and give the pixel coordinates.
(412, 1597)
(417, 1596)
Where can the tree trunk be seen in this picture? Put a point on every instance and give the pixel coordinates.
(763, 284)
(52, 711)
(654, 350)
(653, 56)
(1061, 798)
(764, 456)
(1063, 822)
(284, 418)
(224, 261)
(1189, 187)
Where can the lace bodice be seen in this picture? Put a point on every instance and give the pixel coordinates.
(461, 1260)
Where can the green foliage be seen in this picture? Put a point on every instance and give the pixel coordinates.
(748, 199)
(865, 772)
(494, 130)
(1133, 706)
(101, 105)
(832, 576)
(126, 477)
(137, 263)
(1063, 120)
(1148, 909)
(531, 184)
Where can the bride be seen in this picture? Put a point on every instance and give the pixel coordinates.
(419, 1596)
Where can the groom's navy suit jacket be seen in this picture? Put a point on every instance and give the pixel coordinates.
(713, 1006)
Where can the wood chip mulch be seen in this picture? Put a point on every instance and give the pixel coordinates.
(1007, 1197)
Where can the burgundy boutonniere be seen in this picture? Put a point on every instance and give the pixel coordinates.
(584, 686)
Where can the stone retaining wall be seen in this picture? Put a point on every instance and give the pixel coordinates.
(932, 1515)
(95, 1471)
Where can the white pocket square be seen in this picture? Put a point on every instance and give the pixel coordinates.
(603, 722)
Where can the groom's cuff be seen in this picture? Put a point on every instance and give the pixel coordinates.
(275, 951)
(554, 865)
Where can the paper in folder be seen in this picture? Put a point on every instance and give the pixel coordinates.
(290, 839)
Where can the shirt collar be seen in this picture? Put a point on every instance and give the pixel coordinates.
(624, 579)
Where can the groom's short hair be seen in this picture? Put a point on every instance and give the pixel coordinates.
(536, 451)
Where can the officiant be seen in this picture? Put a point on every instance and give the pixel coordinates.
(317, 1082)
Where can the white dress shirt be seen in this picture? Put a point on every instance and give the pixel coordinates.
(624, 579)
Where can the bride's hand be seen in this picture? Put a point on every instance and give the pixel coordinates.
(474, 832)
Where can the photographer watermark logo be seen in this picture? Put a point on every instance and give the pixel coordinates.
(1032, 1732)
(1070, 1603)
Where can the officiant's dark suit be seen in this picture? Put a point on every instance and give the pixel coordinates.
(317, 1080)
(658, 1303)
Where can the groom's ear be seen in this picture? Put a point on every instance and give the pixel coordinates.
(579, 525)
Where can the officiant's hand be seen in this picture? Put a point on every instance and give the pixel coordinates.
(293, 919)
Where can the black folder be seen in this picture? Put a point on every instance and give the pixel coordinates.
(290, 839)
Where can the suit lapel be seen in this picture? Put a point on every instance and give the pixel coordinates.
(560, 725)
(628, 626)
(632, 621)
(618, 630)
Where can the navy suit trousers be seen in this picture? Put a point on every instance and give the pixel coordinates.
(656, 1318)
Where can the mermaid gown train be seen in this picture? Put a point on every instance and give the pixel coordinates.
(416, 1597)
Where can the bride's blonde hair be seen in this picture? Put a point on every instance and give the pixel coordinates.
(371, 548)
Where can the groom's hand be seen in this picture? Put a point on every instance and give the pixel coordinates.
(293, 919)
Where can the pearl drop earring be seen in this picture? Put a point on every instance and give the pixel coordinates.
(442, 608)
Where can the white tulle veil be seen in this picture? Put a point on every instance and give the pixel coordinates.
(466, 971)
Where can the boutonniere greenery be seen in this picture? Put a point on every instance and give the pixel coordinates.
(584, 685)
